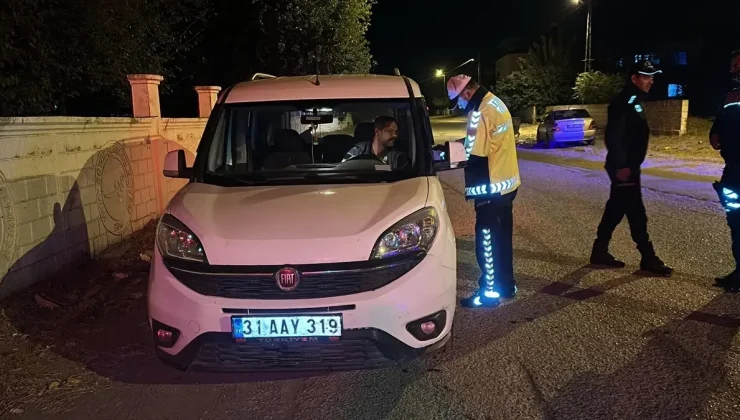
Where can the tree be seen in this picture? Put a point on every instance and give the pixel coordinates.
(54, 50)
(301, 36)
(543, 78)
(596, 87)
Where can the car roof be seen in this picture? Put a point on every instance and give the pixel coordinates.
(338, 86)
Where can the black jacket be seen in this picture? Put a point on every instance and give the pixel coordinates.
(627, 130)
(397, 159)
(727, 127)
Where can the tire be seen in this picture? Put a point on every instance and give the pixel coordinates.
(542, 139)
(590, 142)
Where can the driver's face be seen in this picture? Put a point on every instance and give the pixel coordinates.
(388, 135)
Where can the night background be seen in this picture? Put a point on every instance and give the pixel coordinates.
(70, 58)
(90, 164)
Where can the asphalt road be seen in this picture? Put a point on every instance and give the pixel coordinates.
(577, 343)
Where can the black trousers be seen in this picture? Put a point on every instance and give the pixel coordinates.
(625, 199)
(494, 231)
(729, 192)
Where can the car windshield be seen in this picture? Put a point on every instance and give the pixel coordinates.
(312, 142)
(571, 113)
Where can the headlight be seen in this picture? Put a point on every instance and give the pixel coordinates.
(175, 240)
(413, 233)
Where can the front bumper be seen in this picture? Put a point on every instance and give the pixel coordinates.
(375, 324)
(358, 349)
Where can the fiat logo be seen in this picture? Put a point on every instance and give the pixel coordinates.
(287, 279)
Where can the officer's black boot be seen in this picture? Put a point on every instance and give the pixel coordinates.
(728, 280)
(731, 283)
(600, 256)
(651, 263)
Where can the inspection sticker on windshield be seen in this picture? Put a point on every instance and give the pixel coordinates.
(382, 167)
(244, 327)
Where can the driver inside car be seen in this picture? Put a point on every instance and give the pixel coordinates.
(381, 146)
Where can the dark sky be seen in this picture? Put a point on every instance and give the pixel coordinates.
(418, 36)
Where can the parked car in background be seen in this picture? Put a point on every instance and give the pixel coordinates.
(566, 126)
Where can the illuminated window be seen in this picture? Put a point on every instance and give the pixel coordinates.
(675, 91)
(681, 58)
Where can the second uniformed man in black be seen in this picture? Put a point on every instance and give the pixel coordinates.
(627, 136)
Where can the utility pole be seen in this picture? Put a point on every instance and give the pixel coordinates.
(479, 80)
(587, 59)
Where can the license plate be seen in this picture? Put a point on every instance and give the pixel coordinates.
(575, 127)
(246, 327)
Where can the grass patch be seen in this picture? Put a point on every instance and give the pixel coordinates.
(693, 145)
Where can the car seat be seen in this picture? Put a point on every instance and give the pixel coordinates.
(289, 149)
(335, 146)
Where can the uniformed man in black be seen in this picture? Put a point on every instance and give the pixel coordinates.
(627, 136)
(725, 137)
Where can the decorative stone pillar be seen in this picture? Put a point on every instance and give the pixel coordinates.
(145, 94)
(207, 97)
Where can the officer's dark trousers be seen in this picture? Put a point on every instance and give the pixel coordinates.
(731, 182)
(625, 199)
(494, 229)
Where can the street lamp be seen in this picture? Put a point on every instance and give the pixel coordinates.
(441, 73)
(587, 59)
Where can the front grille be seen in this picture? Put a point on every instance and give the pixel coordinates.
(317, 281)
(290, 356)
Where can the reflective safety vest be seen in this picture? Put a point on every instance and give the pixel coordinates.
(492, 168)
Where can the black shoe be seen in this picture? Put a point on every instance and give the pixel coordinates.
(605, 259)
(481, 300)
(655, 265)
(732, 286)
(729, 279)
(600, 256)
(651, 263)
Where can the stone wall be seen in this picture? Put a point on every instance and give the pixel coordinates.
(665, 117)
(70, 187)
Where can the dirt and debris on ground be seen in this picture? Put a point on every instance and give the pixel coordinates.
(77, 332)
(693, 145)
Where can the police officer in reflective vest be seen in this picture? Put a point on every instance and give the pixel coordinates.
(492, 181)
(725, 137)
(627, 136)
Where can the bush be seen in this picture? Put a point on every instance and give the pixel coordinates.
(595, 87)
(439, 102)
(534, 85)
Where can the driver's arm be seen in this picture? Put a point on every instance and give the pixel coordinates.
(353, 152)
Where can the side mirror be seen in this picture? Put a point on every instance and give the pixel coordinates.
(452, 156)
(175, 166)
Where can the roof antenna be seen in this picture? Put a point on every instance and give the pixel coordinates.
(316, 56)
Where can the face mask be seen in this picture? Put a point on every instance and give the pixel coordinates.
(462, 103)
